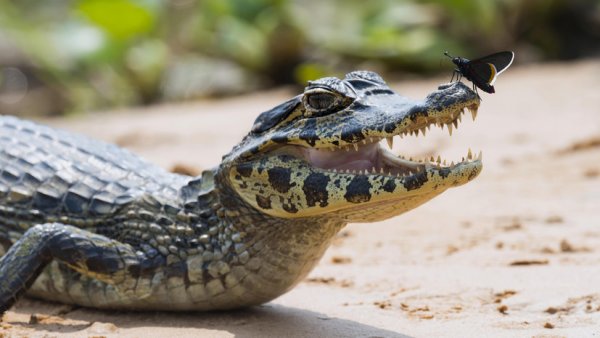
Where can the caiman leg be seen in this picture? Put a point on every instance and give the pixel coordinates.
(88, 253)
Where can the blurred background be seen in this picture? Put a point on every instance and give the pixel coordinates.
(65, 56)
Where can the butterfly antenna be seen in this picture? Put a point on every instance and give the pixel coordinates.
(448, 54)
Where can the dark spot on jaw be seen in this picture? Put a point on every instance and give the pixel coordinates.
(309, 132)
(444, 172)
(415, 181)
(280, 139)
(417, 111)
(315, 189)
(254, 150)
(390, 127)
(245, 169)
(280, 179)
(352, 135)
(389, 186)
(263, 202)
(337, 183)
(291, 208)
(358, 190)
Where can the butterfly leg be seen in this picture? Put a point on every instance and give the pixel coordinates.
(475, 90)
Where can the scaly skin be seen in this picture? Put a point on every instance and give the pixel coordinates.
(83, 222)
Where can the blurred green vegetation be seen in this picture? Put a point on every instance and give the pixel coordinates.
(71, 56)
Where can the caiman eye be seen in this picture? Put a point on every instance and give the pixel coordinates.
(319, 101)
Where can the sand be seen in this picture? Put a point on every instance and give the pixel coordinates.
(514, 253)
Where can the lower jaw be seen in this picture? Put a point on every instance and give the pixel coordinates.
(411, 192)
(381, 210)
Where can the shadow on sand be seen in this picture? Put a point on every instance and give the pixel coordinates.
(269, 320)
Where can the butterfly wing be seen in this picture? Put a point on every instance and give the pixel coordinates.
(500, 60)
(482, 72)
(486, 69)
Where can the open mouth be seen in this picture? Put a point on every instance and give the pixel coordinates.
(369, 157)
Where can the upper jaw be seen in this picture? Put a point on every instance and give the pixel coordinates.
(442, 108)
(382, 117)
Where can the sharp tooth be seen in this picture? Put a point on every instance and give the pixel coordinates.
(444, 162)
(364, 141)
(334, 170)
(360, 172)
(439, 160)
(410, 159)
(469, 154)
(473, 113)
(455, 123)
(432, 159)
(480, 157)
(371, 139)
(373, 170)
(452, 164)
(423, 131)
(449, 129)
(347, 148)
(353, 172)
(347, 171)
(390, 141)
(463, 159)
(381, 170)
(355, 146)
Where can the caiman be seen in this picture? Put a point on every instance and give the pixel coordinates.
(87, 223)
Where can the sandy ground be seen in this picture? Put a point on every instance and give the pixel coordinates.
(516, 253)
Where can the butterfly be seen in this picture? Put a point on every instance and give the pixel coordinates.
(483, 71)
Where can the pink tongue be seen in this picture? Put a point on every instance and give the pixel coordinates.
(364, 158)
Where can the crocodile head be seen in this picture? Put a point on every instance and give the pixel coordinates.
(319, 154)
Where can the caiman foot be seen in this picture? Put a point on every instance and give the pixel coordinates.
(88, 253)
